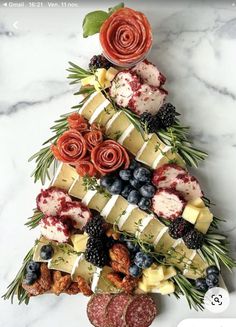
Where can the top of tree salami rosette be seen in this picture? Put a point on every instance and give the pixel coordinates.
(125, 34)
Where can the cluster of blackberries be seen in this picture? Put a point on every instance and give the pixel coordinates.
(99, 61)
(32, 272)
(180, 228)
(164, 118)
(96, 248)
(211, 280)
(134, 184)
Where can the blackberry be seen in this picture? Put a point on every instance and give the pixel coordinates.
(193, 239)
(166, 115)
(99, 61)
(96, 253)
(179, 227)
(95, 227)
(94, 244)
(149, 122)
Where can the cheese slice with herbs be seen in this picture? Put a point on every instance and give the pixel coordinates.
(169, 157)
(77, 189)
(117, 125)
(84, 269)
(101, 284)
(197, 267)
(94, 101)
(132, 139)
(132, 220)
(41, 242)
(65, 177)
(164, 241)
(95, 200)
(150, 231)
(64, 258)
(102, 114)
(114, 209)
(180, 255)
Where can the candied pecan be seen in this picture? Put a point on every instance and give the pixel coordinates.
(111, 233)
(115, 279)
(73, 289)
(34, 289)
(127, 283)
(60, 283)
(119, 255)
(45, 279)
(83, 286)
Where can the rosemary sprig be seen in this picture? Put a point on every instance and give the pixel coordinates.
(215, 251)
(15, 287)
(193, 296)
(32, 222)
(77, 73)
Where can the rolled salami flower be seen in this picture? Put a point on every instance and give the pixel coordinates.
(126, 37)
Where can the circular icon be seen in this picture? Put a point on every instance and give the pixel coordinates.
(216, 300)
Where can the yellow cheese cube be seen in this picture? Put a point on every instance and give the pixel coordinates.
(77, 189)
(169, 272)
(198, 202)
(111, 73)
(65, 177)
(100, 76)
(204, 220)
(88, 80)
(143, 286)
(191, 213)
(154, 274)
(79, 242)
(166, 287)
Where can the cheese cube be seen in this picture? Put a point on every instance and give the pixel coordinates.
(198, 202)
(111, 73)
(154, 274)
(166, 287)
(88, 80)
(169, 272)
(143, 286)
(93, 102)
(117, 125)
(65, 176)
(204, 220)
(114, 209)
(100, 76)
(79, 242)
(132, 139)
(191, 213)
(77, 189)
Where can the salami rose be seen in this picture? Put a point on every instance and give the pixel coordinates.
(126, 36)
(70, 147)
(93, 138)
(85, 167)
(109, 156)
(78, 122)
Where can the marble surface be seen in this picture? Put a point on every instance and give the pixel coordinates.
(194, 46)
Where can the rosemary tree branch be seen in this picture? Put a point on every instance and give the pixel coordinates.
(33, 221)
(15, 287)
(77, 73)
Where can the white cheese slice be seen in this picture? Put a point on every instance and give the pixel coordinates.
(167, 158)
(152, 230)
(98, 201)
(103, 113)
(143, 224)
(84, 269)
(37, 249)
(77, 189)
(125, 134)
(133, 221)
(101, 283)
(88, 196)
(95, 279)
(132, 139)
(197, 268)
(161, 154)
(164, 241)
(117, 125)
(64, 177)
(122, 219)
(89, 107)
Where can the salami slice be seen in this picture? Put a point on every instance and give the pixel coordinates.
(140, 312)
(85, 167)
(78, 122)
(116, 308)
(93, 138)
(109, 156)
(96, 309)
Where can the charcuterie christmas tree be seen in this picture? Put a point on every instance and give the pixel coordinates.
(122, 216)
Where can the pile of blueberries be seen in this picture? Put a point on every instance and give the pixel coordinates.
(140, 260)
(134, 184)
(211, 280)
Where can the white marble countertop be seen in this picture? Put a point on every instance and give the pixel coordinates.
(195, 47)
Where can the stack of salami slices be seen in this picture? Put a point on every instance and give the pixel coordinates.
(121, 310)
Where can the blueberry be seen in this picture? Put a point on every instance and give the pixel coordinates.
(135, 183)
(212, 270)
(142, 174)
(33, 266)
(132, 246)
(134, 164)
(126, 191)
(106, 181)
(135, 271)
(212, 280)
(30, 278)
(46, 252)
(125, 174)
(133, 197)
(147, 190)
(116, 186)
(143, 260)
(201, 284)
(144, 204)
